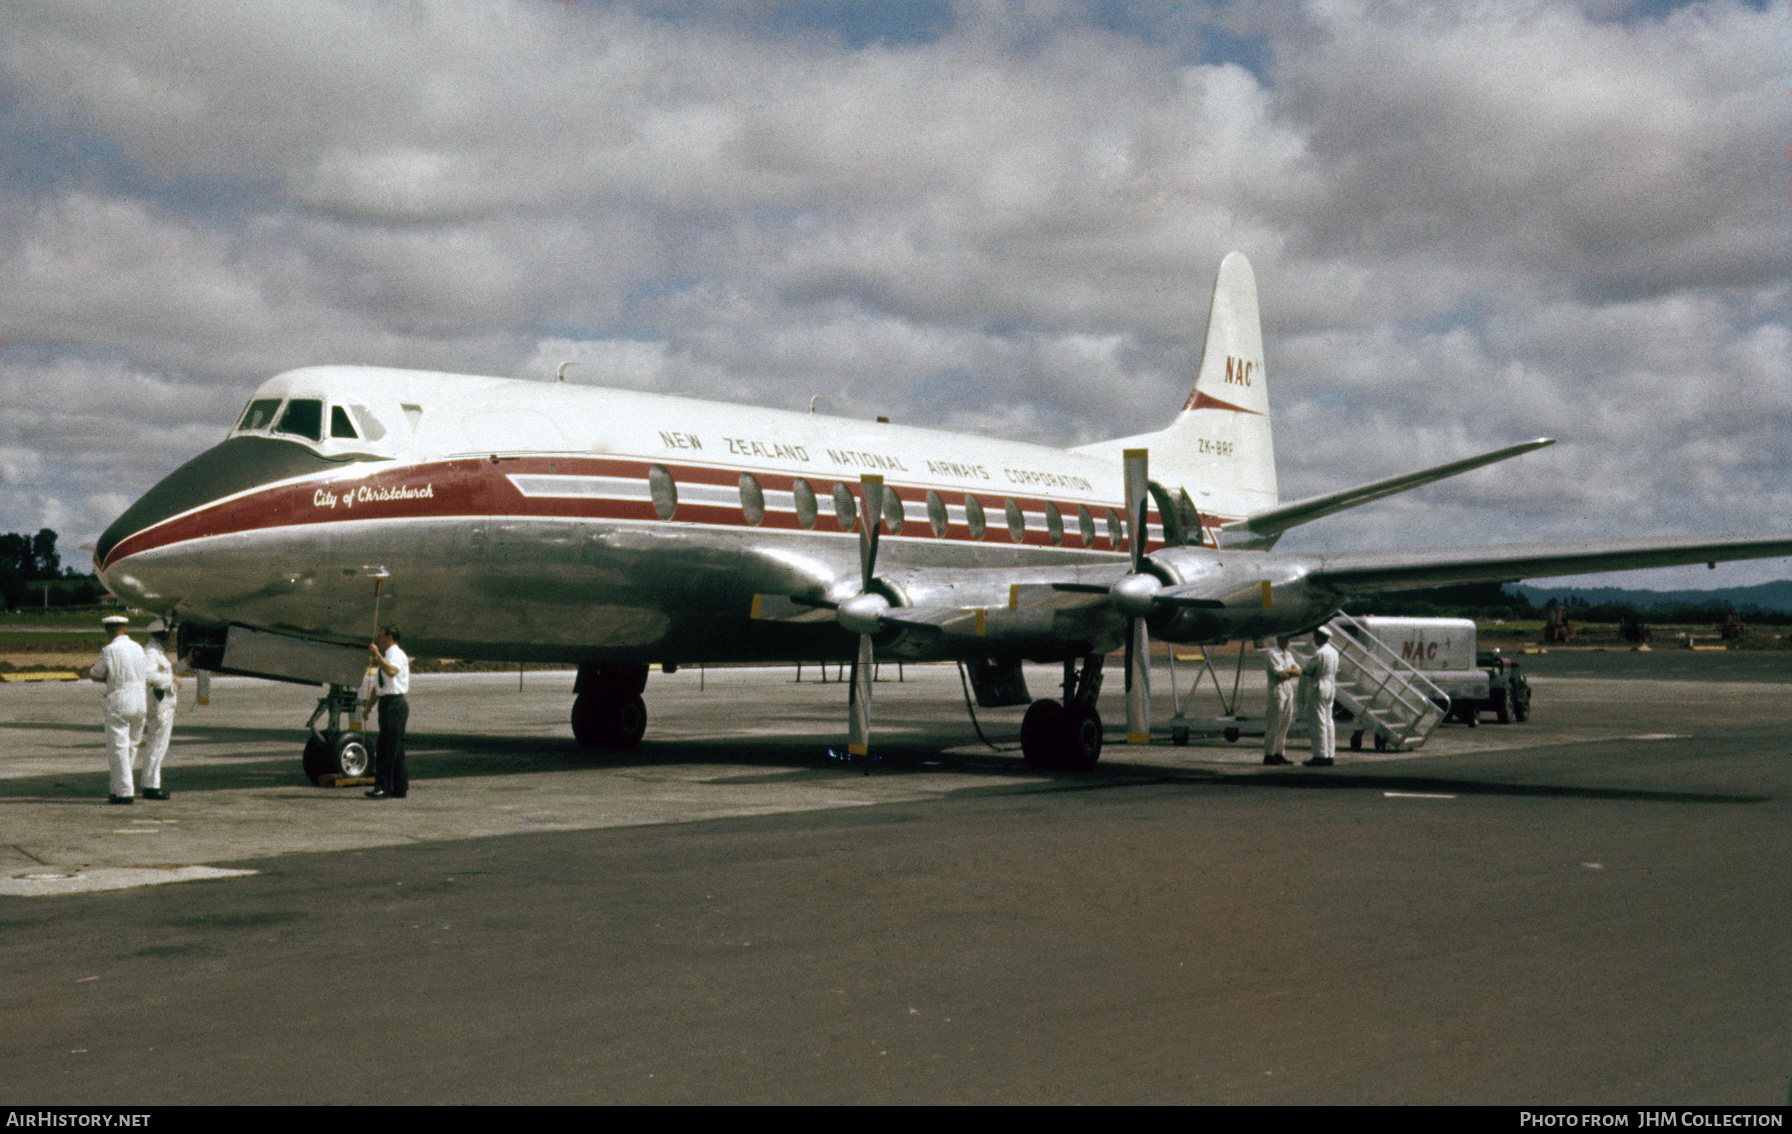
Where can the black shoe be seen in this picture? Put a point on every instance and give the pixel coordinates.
(1277, 758)
(119, 799)
(378, 793)
(154, 793)
(1320, 762)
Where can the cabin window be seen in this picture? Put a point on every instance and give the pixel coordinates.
(973, 516)
(1085, 523)
(805, 502)
(259, 414)
(304, 417)
(752, 499)
(340, 425)
(1054, 523)
(1017, 523)
(936, 512)
(370, 425)
(664, 491)
(1116, 533)
(894, 513)
(845, 511)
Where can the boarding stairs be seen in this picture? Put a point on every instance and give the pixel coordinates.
(1385, 694)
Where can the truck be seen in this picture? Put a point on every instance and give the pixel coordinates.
(1443, 649)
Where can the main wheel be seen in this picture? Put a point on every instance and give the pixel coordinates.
(609, 718)
(1041, 735)
(1521, 704)
(1080, 728)
(1502, 706)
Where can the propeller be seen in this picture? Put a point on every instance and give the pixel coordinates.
(862, 614)
(1134, 596)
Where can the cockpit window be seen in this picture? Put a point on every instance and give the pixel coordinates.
(260, 414)
(304, 417)
(370, 425)
(340, 426)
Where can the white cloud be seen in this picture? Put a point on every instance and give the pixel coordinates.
(1471, 223)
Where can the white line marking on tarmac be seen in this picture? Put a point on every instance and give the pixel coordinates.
(1658, 736)
(47, 883)
(1415, 795)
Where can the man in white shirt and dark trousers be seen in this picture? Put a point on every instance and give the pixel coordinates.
(391, 684)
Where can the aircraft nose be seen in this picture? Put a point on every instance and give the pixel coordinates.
(238, 464)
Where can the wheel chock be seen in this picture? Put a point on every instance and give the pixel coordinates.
(331, 779)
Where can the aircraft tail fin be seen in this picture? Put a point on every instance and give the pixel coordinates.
(1220, 447)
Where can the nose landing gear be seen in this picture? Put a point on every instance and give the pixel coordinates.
(335, 751)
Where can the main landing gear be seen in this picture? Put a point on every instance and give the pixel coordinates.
(607, 711)
(1066, 737)
(335, 751)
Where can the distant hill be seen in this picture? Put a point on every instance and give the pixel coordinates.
(1771, 598)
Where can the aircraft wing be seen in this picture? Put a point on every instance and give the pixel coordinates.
(1362, 572)
(1284, 516)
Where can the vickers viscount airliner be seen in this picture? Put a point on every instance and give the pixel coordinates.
(516, 520)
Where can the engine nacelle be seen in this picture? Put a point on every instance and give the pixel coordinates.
(1260, 595)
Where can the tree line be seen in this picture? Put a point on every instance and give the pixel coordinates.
(32, 574)
(1489, 601)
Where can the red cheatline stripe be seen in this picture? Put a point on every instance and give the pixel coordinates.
(478, 487)
(1204, 400)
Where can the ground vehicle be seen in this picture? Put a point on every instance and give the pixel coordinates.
(1443, 649)
(1508, 693)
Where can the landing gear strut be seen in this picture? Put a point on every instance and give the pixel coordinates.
(608, 711)
(334, 751)
(1066, 737)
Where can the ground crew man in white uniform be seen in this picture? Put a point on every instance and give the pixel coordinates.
(1319, 685)
(164, 691)
(1282, 669)
(125, 672)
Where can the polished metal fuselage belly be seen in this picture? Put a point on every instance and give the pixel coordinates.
(517, 588)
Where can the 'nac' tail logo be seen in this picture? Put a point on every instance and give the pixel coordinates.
(1238, 373)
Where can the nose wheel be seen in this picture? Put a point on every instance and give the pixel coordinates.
(335, 751)
(343, 755)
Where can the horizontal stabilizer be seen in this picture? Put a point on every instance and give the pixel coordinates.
(1362, 572)
(1274, 521)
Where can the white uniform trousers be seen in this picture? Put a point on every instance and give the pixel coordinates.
(124, 734)
(1281, 715)
(1324, 729)
(157, 728)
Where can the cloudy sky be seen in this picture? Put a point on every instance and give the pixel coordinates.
(1472, 224)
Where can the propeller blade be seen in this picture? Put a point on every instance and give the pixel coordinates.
(1138, 640)
(1138, 682)
(871, 490)
(858, 728)
(1138, 475)
(859, 610)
